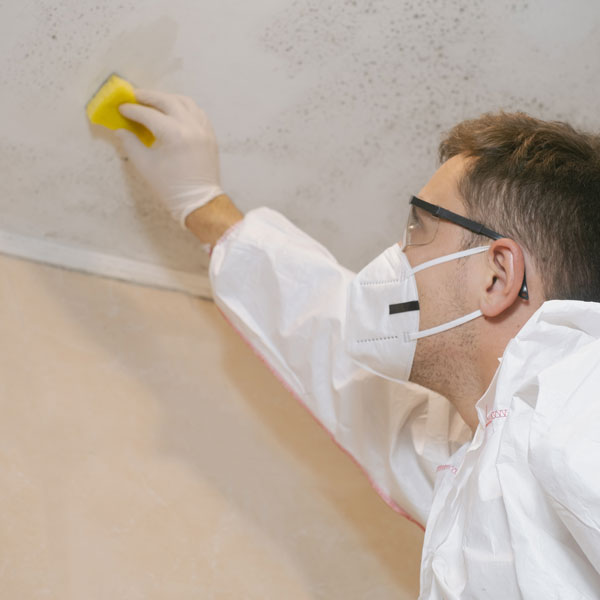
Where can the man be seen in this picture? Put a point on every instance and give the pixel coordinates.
(490, 306)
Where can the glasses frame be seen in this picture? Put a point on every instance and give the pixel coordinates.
(478, 228)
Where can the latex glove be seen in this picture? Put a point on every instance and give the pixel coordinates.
(182, 165)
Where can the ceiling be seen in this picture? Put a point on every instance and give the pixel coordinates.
(328, 111)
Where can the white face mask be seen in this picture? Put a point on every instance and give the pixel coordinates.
(382, 313)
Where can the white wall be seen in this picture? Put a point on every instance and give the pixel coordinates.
(329, 111)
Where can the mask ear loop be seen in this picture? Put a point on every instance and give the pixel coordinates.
(523, 292)
(448, 257)
(445, 326)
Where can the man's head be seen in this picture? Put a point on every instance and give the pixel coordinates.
(538, 184)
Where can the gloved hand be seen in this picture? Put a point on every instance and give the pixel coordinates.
(182, 165)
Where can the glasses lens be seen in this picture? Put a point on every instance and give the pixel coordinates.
(421, 227)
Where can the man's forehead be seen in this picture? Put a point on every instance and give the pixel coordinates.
(442, 188)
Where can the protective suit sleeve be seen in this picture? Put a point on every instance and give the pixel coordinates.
(285, 294)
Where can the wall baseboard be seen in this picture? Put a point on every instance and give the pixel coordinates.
(104, 265)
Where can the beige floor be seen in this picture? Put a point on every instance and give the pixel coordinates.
(148, 454)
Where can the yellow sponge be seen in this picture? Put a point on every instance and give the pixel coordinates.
(102, 108)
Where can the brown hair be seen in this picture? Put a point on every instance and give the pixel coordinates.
(537, 182)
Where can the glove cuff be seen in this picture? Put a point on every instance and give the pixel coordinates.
(210, 194)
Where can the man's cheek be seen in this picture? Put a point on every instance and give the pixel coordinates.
(427, 305)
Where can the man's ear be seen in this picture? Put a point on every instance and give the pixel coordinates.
(504, 272)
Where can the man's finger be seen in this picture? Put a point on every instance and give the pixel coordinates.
(152, 119)
(167, 103)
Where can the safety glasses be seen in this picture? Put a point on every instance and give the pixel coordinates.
(423, 222)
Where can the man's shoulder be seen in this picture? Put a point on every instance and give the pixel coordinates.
(576, 315)
(564, 437)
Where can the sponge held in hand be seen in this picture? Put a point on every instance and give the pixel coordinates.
(102, 108)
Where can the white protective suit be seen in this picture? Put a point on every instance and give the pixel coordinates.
(511, 512)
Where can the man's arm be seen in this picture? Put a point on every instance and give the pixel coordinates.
(209, 222)
(285, 294)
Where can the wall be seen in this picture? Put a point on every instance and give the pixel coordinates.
(329, 111)
(148, 453)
